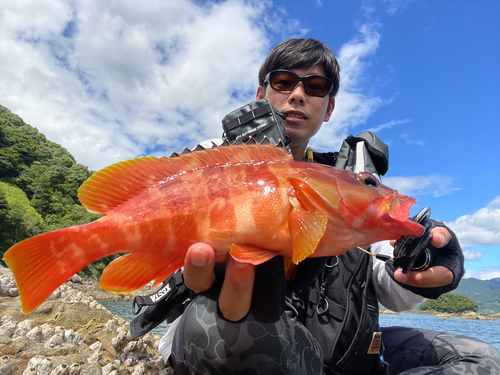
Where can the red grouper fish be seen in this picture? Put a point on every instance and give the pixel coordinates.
(252, 201)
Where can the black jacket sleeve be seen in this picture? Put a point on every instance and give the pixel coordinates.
(449, 256)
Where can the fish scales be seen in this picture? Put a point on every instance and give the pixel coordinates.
(251, 201)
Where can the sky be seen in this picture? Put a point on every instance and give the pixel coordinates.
(114, 80)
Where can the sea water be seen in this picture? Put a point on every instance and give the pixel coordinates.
(485, 330)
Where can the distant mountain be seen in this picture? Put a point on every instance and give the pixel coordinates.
(489, 302)
(472, 287)
(496, 281)
(486, 293)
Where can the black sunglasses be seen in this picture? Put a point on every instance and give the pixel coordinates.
(285, 80)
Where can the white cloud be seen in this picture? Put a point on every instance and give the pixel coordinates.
(353, 107)
(482, 228)
(388, 125)
(435, 185)
(111, 81)
(408, 138)
(487, 273)
(472, 255)
(395, 6)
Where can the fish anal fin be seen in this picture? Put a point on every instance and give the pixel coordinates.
(251, 254)
(307, 229)
(133, 271)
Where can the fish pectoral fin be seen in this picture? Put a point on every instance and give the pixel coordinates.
(307, 229)
(306, 194)
(251, 254)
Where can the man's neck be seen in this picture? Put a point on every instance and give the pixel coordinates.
(298, 152)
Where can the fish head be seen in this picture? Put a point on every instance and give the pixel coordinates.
(360, 209)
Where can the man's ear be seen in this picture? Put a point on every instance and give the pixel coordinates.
(260, 93)
(329, 109)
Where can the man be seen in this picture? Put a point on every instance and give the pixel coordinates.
(219, 334)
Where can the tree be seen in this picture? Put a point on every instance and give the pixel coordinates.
(450, 303)
(17, 218)
(39, 183)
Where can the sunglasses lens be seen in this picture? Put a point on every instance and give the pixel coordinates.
(286, 81)
(317, 86)
(283, 81)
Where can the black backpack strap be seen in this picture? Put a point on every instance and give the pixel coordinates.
(167, 303)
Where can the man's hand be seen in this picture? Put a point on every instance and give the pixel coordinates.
(432, 277)
(236, 294)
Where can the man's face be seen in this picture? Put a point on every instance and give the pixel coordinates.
(305, 113)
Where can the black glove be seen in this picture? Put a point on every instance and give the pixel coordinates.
(449, 256)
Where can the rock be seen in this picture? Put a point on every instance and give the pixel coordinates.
(72, 334)
(22, 329)
(60, 370)
(444, 316)
(74, 369)
(35, 334)
(386, 311)
(54, 342)
(5, 367)
(8, 329)
(69, 335)
(96, 347)
(45, 367)
(76, 279)
(95, 357)
(140, 369)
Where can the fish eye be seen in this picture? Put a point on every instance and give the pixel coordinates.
(367, 179)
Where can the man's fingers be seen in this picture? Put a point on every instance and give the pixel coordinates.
(433, 277)
(236, 294)
(199, 267)
(440, 237)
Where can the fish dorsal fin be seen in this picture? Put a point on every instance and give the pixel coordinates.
(114, 185)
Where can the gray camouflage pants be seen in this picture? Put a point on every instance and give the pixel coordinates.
(207, 344)
(455, 354)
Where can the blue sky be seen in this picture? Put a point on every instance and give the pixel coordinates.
(115, 80)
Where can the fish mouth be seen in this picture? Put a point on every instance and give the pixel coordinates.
(396, 211)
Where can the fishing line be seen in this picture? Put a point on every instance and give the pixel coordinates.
(381, 257)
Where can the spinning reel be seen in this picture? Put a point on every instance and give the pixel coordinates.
(412, 254)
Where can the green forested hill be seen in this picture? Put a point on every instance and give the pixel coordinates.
(489, 302)
(486, 293)
(472, 287)
(39, 180)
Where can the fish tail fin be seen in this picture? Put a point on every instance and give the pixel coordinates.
(43, 263)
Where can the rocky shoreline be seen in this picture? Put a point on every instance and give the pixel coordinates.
(439, 315)
(71, 334)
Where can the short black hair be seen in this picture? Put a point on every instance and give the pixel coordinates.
(302, 54)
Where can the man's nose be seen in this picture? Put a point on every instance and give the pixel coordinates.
(298, 94)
